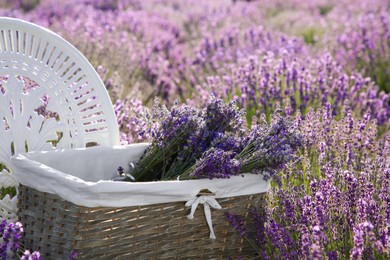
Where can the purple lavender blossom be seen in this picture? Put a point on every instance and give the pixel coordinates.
(72, 255)
(316, 252)
(216, 163)
(175, 127)
(223, 117)
(332, 255)
(218, 119)
(358, 240)
(229, 142)
(269, 148)
(318, 204)
(364, 45)
(236, 222)
(11, 234)
(133, 120)
(2, 227)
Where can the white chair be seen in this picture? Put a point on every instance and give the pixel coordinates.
(37, 65)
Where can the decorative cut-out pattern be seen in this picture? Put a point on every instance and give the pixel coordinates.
(50, 97)
(22, 128)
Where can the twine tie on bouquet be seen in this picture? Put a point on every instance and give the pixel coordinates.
(207, 201)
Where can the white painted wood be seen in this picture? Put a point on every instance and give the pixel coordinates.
(77, 96)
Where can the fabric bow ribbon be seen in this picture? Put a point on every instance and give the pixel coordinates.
(207, 201)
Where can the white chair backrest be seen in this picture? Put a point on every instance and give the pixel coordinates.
(50, 95)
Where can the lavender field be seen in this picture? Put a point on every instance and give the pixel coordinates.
(324, 64)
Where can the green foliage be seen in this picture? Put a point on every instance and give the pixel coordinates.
(11, 191)
(310, 35)
(325, 9)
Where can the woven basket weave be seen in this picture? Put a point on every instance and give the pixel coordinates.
(55, 227)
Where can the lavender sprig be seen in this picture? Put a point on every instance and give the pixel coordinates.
(174, 129)
(269, 148)
(218, 119)
(216, 163)
(11, 234)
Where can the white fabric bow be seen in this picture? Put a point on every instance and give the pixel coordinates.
(207, 201)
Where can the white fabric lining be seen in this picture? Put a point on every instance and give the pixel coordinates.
(84, 176)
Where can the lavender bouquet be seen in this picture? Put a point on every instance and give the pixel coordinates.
(214, 142)
(218, 119)
(175, 128)
(182, 135)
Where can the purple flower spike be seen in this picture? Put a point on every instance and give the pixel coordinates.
(216, 163)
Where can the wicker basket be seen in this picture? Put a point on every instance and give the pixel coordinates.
(65, 207)
(55, 227)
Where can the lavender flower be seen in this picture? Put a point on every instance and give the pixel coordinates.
(332, 255)
(133, 120)
(269, 147)
(72, 255)
(223, 117)
(237, 223)
(11, 234)
(2, 227)
(229, 142)
(216, 163)
(316, 252)
(358, 240)
(320, 204)
(218, 119)
(176, 126)
(363, 45)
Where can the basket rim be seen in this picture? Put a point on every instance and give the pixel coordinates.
(127, 194)
(108, 193)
